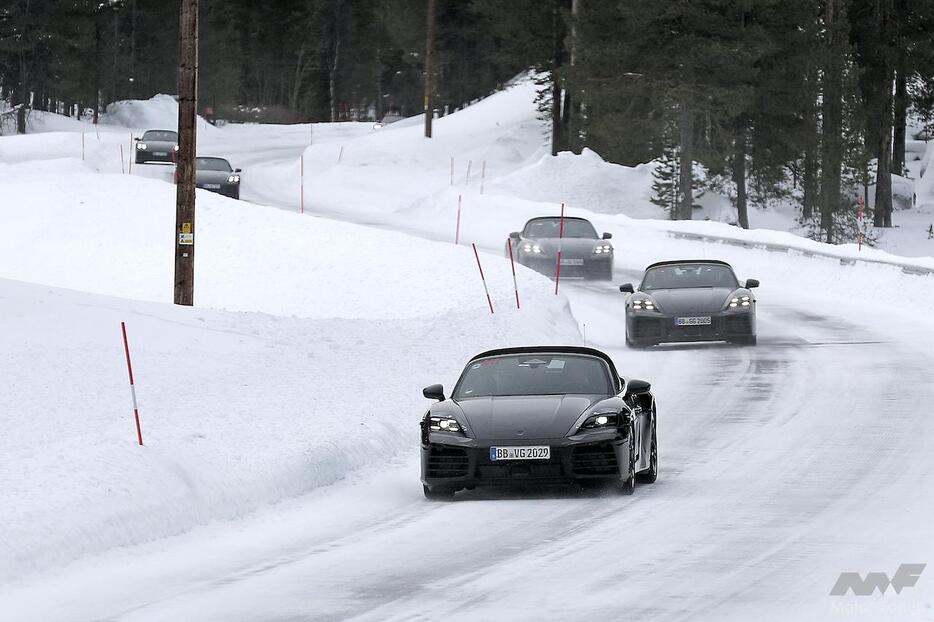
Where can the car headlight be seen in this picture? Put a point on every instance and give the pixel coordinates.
(740, 303)
(441, 423)
(534, 249)
(603, 249)
(141, 146)
(376, 126)
(600, 421)
(233, 179)
(644, 304)
(175, 148)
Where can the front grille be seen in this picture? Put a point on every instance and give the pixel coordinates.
(646, 327)
(447, 462)
(594, 460)
(519, 471)
(739, 324)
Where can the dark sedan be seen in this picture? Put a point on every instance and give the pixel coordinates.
(697, 300)
(584, 254)
(156, 146)
(539, 415)
(216, 175)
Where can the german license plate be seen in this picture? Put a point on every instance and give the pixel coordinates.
(160, 154)
(572, 262)
(535, 452)
(693, 321)
(212, 186)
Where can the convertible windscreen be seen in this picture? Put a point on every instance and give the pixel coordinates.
(551, 228)
(538, 374)
(212, 164)
(159, 135)
(689, 275)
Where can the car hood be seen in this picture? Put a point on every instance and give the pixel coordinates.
(691, 299)
(570, 247)
(524, 417)
(212, 177)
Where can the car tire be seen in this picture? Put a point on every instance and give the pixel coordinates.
(438, 494)
(138, 161)
(651, 474)
(745, 341)
(627, 485)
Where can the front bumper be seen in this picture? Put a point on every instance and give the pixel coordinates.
(150, 155)
(229, 190)
(593, 267)
(452, 463)
(655, 328)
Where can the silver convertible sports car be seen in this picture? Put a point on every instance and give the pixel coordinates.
(584, 254)
(156, 146)
(697, 300)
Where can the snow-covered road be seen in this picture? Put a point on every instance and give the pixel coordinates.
(774, 461)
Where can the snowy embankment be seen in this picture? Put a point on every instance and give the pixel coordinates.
(314, 368)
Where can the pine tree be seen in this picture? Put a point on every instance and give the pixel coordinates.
(665, 181)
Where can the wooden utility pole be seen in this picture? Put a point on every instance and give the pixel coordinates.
(429, 66)
(185, 158)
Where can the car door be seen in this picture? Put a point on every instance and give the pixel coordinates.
(641, 425)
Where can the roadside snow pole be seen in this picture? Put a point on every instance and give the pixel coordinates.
(129, 167)
(859, 221)
(129, 368)
(122, 169)
(301, 184)
(558, 261)
(482, 175)
(467, 179)
(452, 171)
(340, 154)
(512, 261)
(457, 230)
(482, 278)
(82, 146)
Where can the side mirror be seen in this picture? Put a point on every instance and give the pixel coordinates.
(635, 387)
(607, 236)
(750, 283)
(137, 140)
(240, 170)
(514, 235)
(434, 392)
(627, 288)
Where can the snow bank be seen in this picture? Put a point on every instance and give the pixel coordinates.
(160, 112)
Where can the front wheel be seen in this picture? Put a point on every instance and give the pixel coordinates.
(745, 341)
(437, 494)
(651, 474)
(627, 485)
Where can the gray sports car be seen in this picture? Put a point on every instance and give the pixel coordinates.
(584, 254)
(156, 146)
(215, 174)
(697, 300)
(539, 415)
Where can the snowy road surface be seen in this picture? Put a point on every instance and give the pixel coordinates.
(775, 461)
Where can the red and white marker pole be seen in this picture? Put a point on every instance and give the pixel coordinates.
(859, 220)
(457, 230)
(467, 179)
(482, 278)
(301, 184)
(512, 261)
(129, 368)
(558, 261)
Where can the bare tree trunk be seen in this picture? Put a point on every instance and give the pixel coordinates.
(882, 214)
(332, 77)
(901, 116)
(557, 134)
(810, 181)
(429, 66)
(686, 174)
(832, 115)
(299, 77)
(739, 175)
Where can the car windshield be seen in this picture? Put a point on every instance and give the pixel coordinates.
(212, 164)
(551, 228)
(534, 374)
(161, 135)
(689, 275)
